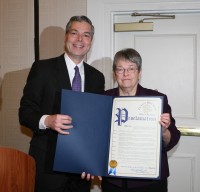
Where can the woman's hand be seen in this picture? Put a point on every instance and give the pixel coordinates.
(165, 122)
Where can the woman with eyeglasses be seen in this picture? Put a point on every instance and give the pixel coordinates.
(127, 66)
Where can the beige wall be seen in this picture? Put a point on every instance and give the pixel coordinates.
(17, 55)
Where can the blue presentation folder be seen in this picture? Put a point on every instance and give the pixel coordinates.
(86, 148)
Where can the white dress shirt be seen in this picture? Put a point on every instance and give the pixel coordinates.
(70, 67)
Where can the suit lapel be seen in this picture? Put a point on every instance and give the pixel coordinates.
(63, 73)
(87, 77)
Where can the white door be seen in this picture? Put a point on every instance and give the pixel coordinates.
(171, 64)
(171, 58)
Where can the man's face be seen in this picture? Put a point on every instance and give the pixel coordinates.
(78, 40)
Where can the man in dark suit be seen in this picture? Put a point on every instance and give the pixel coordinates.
(40, 105)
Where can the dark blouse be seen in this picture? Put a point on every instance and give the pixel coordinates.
(175, 136)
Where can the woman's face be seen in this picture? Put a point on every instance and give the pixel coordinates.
(127, 74)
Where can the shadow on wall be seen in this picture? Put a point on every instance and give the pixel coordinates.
(51, 42)
(105, 66)
(0, 93)
(52, 45)
(12, 134)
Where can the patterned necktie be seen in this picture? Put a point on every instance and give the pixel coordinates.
(76, 83)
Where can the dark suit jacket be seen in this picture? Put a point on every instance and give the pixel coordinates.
(175, 136)
(42, 94)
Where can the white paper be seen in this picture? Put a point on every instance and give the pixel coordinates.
(135, 141)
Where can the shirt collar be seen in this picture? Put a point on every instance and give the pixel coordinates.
(70, 64)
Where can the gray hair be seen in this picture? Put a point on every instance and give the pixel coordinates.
(130, 55)
(79, 19)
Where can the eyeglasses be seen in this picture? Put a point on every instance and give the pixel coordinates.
(121, 70)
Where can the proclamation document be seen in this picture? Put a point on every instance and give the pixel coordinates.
(135, 138)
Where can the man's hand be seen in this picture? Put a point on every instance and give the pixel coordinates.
(89, 177)
(59, 123)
